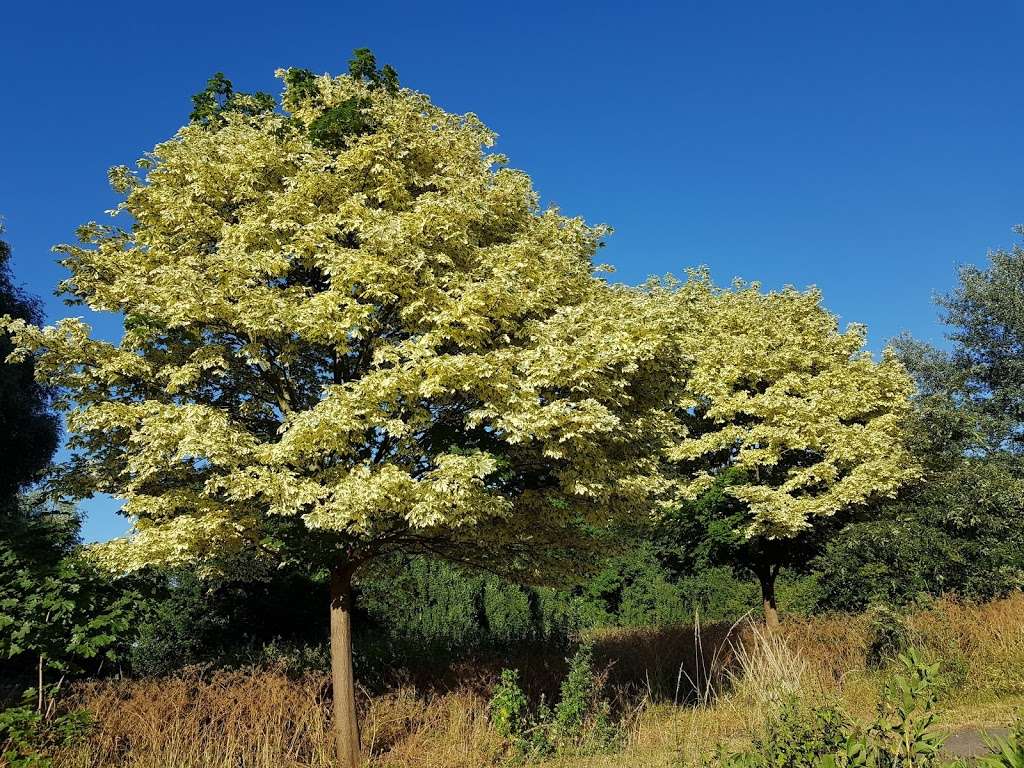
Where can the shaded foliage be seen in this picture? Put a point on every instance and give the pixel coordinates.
(29, 432)
(58, 611)
(961, 530)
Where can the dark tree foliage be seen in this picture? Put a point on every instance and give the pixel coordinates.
(985, 373)
(29, 432)
(962, 529)
(219, 96)
(57, 611)
(338, 125)
(195, 621)
(710, 533)
(333, 129)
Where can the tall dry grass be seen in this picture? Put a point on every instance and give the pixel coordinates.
(266, 719)
(982, 643)
(677, 691)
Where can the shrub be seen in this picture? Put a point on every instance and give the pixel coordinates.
(28, 738)
(508, 708)
(582, 717)
(580, 722)
(890, 635)
(795, 736)
(903, 734)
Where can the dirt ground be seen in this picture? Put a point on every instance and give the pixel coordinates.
(970, 742)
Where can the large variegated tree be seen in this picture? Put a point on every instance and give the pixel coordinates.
(348, 331)
(784, 424)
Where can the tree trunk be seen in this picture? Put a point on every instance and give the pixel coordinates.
(771, 608)
(346, 728)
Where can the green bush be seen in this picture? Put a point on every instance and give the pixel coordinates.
(903, 735)
(508, 707)
(28, 738)
(582, 718)
(795, 736)
(890, 635)
(580, 722)
(429, 607)
(225, 623)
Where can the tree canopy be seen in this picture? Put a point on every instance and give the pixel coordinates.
(783, 423)
(775, 389)
(374, 341)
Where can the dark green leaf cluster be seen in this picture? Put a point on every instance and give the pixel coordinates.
(28, 738)
(196, 621)
(439, 609)
(336, 126)
(56, 608)
(219, 97)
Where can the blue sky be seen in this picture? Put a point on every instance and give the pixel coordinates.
(866, 148)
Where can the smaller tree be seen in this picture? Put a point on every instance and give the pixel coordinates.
(711, 532)
(784, 424)
(29, 431)
(57, 609)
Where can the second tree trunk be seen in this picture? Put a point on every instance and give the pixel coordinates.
(771, 609)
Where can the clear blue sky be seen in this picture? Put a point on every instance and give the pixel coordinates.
(866, 148)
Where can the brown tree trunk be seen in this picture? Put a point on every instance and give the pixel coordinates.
(771, 609)
(346, 728)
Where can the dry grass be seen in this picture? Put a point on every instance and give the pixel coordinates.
(983, 643)
(194, 720)
(676, 664)
(265, 719)
(678, 691)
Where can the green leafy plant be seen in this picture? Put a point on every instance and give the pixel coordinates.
(582, 717)
(509, 708)
(795, 736)
(903, 734)
(1005, 752)
(580, 722)
(28, 737)
(890, 635)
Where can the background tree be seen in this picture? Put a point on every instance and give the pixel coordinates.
(29, 431)
(57, 608)
(349, 332)
(784, 423)
(712, 532)
(56, 611)
(962, 529)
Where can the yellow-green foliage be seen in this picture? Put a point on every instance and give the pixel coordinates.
(383, 338)
(774, 388)
(386, 339)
